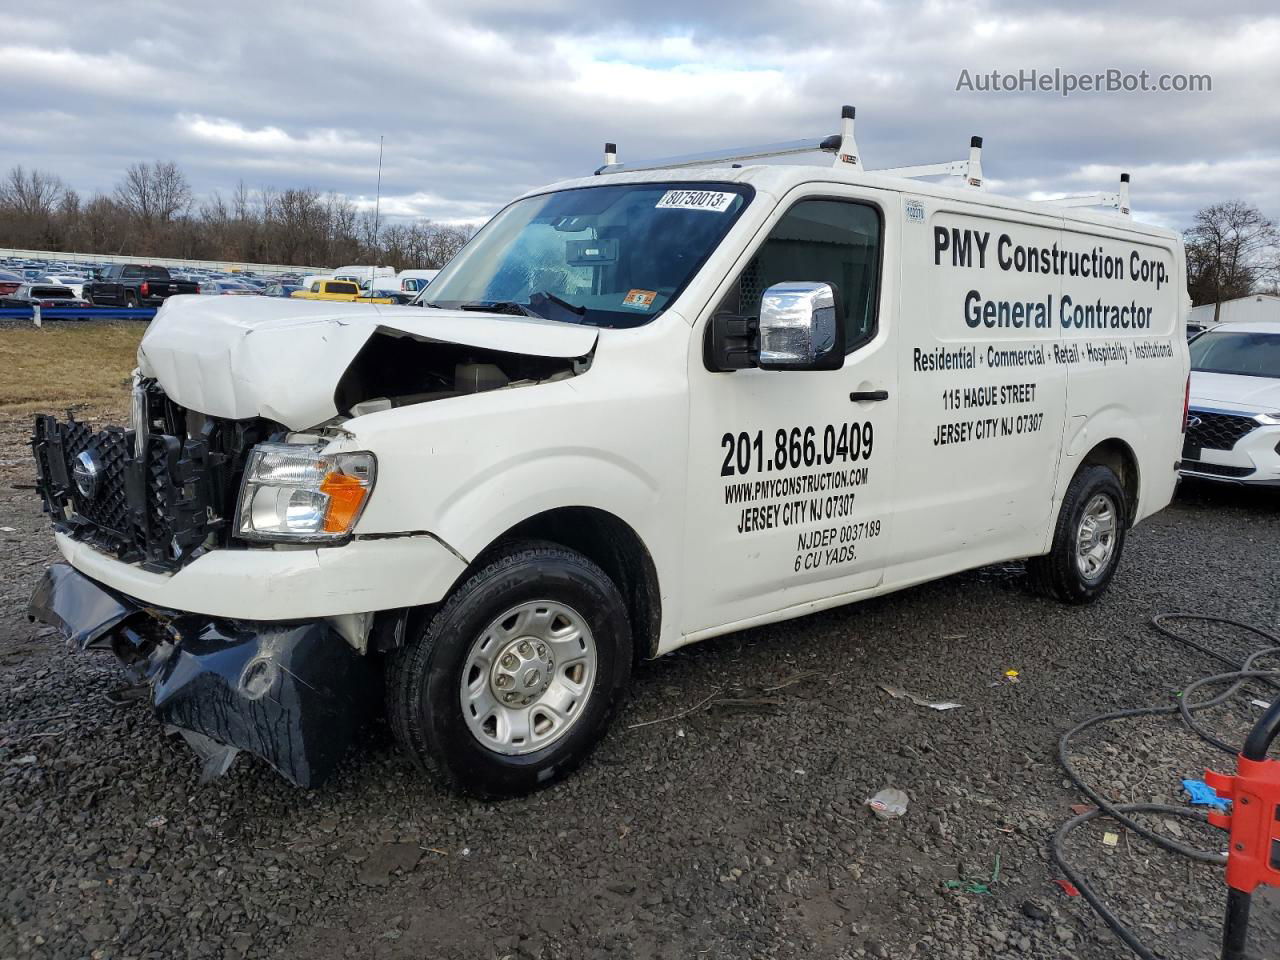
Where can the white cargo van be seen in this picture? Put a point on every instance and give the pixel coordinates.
(637, 410)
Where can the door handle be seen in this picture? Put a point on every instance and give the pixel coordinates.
(869, 395)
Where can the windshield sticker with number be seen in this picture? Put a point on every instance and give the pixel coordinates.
(716, 201)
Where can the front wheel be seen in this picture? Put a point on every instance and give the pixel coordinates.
(515, 678)
(1087, 541)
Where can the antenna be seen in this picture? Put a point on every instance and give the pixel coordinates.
(377, 200)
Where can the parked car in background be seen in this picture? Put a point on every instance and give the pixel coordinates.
(72, 282)
(1233, 424)
(415, 281)
(329, 290)
(9, 282)
(360, 273)
(229, 288)
(131, 285)
(46, 295)
(386, 296)
(281, 289)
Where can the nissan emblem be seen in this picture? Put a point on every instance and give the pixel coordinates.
(86, 473)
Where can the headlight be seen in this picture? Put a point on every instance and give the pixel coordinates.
(297, 493)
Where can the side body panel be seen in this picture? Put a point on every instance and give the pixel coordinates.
(791, 482)
(983, 400)
(1126, 353)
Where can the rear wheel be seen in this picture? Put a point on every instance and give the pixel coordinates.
(1087, 541)
(130, 301)
(515, 678)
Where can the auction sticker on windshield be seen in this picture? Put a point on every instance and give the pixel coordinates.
(716, 201)
(639, 298)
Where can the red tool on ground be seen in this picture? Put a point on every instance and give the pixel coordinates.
(1254, 856)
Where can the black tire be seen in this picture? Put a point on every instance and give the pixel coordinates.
(1057, 573)
(130, 301)
(424, 677)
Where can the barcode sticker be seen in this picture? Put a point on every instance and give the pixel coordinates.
(716, 201)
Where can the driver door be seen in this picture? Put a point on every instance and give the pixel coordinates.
(791, 472)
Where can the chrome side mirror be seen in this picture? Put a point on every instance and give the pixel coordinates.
(800, 327)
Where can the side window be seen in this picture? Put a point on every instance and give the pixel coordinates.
(315, 287)
(832, 241)
(132, 273)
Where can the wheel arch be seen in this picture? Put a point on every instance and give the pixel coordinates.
(614, 546)
(1118, 456)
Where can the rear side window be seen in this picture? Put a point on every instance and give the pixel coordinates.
(831, 241)
(341, 287)
(131, 273)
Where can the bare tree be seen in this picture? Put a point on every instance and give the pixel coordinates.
(155, 193)
(1228, 247)
(31, 193)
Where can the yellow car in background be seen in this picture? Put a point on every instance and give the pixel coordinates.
(344, 291)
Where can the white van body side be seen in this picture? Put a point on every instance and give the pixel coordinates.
(508, 509)
(955, 480)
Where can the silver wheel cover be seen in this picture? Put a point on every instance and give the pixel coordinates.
(1096, 536)
(527, 677)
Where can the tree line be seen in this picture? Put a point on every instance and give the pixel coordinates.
(152, 212)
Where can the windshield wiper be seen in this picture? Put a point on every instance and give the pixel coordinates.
(500, 306)
(539, 301)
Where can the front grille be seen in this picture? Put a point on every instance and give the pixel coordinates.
(1216, 469)
(154, 509)
(160, 507)
(1219, 431)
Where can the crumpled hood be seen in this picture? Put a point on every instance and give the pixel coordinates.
(1254, 394)
(242, 357)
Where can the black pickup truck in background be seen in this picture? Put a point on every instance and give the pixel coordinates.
(129, 285)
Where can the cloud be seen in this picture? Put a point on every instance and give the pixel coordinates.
(480, 100)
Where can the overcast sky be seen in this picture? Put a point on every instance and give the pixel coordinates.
(483, 99)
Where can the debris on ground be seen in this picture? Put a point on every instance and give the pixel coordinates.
(888, 804)
(1067, 887)
(898, 693)
(1201, 794)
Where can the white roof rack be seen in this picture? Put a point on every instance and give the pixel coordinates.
(845, 148)
(1117, 201)
(842, 145)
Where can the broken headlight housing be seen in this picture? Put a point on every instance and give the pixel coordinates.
(297, 493)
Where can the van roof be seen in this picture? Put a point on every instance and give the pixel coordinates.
(778, 179)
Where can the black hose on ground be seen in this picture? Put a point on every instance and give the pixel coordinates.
(1241, 673)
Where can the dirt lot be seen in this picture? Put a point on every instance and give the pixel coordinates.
(735, 830)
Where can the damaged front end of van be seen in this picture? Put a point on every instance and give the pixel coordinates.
(217, 544)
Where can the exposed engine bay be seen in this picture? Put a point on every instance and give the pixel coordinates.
(395, 369)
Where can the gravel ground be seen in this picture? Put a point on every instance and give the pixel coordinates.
(736, 830)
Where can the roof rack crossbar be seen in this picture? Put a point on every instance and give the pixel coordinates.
(763, 151)
(1118, 200)
(970, 168)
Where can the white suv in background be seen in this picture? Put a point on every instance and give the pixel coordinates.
(1233, 428)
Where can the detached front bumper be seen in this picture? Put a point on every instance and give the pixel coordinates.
(294, 694)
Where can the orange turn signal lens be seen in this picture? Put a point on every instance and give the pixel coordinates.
(346, 496)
